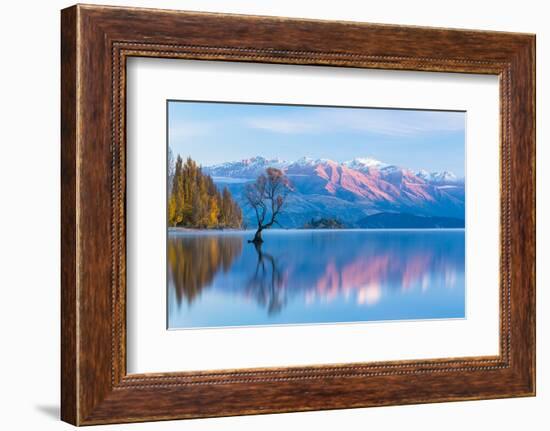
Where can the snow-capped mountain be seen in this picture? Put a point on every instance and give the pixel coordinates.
(350, 190)
(437, 177)
(247, 168)
(364, 164)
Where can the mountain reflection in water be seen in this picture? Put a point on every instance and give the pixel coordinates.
(315, 276)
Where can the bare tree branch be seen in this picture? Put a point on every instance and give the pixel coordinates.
(269, 190)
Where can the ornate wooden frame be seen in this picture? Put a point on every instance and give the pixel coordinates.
(95, 42)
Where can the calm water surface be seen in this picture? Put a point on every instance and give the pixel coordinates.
(314, 276)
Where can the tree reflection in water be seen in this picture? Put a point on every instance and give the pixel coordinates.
(194, 262)
(267, 284)
(351, 274)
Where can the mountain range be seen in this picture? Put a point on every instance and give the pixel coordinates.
(349, 191)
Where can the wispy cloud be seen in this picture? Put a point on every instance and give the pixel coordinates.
(190, 129)
(399, 122)
(282, 124)
(383, 122)
(216, 132)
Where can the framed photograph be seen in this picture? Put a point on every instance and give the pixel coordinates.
(266, 215)
(334, 236)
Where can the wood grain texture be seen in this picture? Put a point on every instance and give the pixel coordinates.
(96, 41)
(69, 397)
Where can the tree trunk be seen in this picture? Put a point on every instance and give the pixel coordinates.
(257, 236)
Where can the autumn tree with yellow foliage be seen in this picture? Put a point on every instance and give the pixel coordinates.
(194, 201)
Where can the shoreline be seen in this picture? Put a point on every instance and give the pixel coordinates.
(192, 230)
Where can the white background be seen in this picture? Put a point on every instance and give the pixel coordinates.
(151, 348)
(29, 216)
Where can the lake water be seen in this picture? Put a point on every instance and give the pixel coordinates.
(218, 279)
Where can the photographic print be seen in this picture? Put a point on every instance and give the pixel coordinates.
(295, 214)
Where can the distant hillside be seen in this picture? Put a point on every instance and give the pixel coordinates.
(408, 221)
(347, 191)
(324, 223)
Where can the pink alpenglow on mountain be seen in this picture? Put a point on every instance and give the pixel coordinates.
(351, 190)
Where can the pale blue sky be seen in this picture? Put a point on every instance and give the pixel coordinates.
(213, 133)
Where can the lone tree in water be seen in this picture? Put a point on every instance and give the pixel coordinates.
(267, 197)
